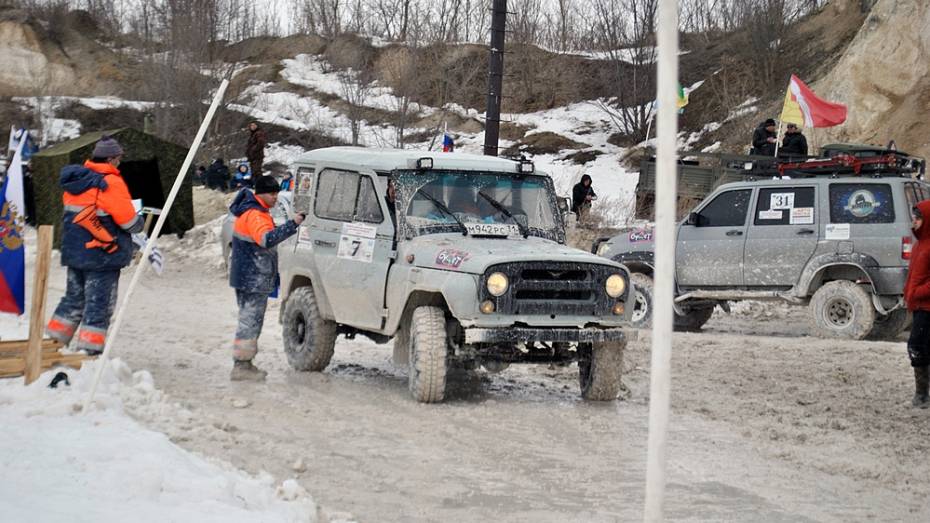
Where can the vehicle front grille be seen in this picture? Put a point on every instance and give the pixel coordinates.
(552, 288)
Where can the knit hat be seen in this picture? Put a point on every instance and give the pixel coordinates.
(266, 184)
(107, 147)
(769, 122)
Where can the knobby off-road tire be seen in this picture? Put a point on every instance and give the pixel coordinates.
(642, 300)
(309, 340)
(693, 320)
(842, 309)
(889, 326)
(429, 354)
(600, 367)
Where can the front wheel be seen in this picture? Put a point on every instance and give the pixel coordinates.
(642, 300)
(842, 309)
(429, 354)
(600, 366)
(309, 340)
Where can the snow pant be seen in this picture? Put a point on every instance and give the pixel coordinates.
(255, 165)
(918, 345)
(89, 300)
(252, 307)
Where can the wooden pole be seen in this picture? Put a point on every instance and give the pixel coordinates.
(37, 311)
(664, 293)
(149, 245)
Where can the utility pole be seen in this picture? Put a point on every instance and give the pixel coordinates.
(492, 127)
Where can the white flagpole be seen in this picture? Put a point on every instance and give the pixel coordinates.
(666, 193)
(149, 245)
(652, 115)
(10, 146)
(781, 122)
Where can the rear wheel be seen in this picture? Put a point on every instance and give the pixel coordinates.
(600, 366)
(309, 340)
(842, 309)
(429, 354)
(889, 326)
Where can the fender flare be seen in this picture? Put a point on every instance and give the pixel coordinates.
(636, 258)
(299, 279)
(818, 264)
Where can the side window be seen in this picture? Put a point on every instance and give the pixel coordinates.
(785, 206)
(728, 209)
(861, 203)
(912, 195)
(336, 193)
(369, 208)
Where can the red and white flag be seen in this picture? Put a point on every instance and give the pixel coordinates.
(804, 108)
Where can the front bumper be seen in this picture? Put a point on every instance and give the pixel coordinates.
(530, 334)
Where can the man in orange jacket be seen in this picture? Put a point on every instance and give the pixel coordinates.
(253, 268)
(98, 222)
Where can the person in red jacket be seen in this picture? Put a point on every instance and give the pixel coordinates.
(917, 298)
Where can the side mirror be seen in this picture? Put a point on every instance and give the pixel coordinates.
(693, 219)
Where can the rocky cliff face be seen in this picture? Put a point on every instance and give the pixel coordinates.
(883, 78)
(27, 63)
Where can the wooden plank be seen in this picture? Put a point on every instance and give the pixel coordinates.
(19, 346)
(37, 313)
(11, 367)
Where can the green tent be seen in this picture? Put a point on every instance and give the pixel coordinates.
(149, 167)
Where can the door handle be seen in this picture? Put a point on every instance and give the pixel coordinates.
(323, 243)
(806, 231)
(735, 232)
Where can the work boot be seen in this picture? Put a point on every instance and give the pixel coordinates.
(922, 382)
(245, 371)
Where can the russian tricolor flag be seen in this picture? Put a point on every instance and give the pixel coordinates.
(447, 144)
(12, 252)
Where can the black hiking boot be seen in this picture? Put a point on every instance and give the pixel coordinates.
(245, 371)
(922, 385)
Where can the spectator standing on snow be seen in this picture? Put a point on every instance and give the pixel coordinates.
(794, 143)
(582, 196)
(254, 268)
(255, 148)
(764, 139)
(287, 184)
(243, 177)
(96, 243)
(917, 298)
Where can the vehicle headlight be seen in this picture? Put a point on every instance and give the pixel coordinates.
(602, 248)
(615, 285)
(497, 283)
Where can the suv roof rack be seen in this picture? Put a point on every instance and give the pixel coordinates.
(888, 163)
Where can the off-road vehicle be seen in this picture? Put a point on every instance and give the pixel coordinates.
(832, 233)
(461, 259)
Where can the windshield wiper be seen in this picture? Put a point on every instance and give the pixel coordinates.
(442, 207)
(524, 230)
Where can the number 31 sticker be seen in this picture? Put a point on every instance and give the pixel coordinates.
(357, 242)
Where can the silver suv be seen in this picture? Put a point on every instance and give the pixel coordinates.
(461, 259)
(837, 243)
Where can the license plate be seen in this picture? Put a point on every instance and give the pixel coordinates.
(492, 229)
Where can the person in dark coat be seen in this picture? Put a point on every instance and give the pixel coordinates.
(764, 139)
(255, 148)
(218, 175)
(243, 177)
(253, 269)
(794, 143)
(582, 196)
(96, 243)
(917, 298)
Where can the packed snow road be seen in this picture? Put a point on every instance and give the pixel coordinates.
(748, 440)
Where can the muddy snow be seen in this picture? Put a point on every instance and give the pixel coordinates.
(768, 423)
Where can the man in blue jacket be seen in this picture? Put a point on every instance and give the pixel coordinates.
(254, 268)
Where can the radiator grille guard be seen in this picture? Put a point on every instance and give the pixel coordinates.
(553, 288)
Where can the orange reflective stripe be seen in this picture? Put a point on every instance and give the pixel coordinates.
(92, 338)
(57, 326)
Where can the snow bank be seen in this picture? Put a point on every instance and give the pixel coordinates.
(60, 465)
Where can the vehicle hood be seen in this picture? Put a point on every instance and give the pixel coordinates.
(455, 252)
(631, 239)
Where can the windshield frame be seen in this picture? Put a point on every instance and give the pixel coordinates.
(406, 190)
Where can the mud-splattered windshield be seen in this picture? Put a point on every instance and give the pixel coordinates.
(483, 204)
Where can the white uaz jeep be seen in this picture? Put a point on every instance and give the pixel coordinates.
(458, 258)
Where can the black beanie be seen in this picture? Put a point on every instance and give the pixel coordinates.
(769, 122)
(266, 184)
